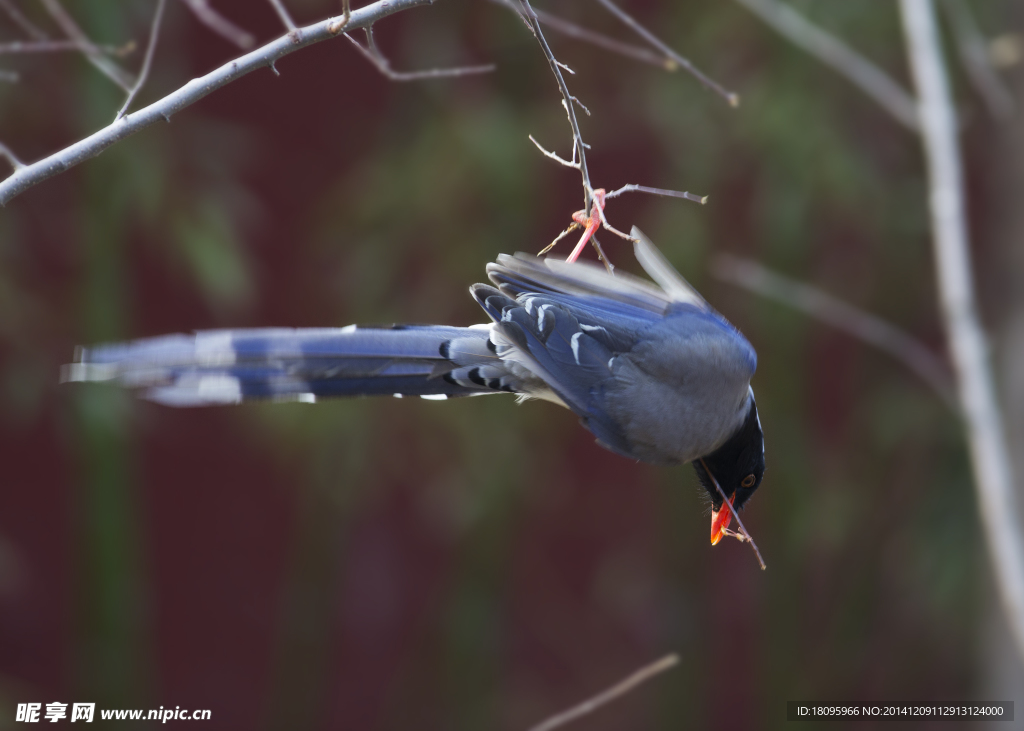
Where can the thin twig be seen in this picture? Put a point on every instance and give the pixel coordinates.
(572, 227)
(374, 56)
(5, 152)
(147, 62)
(616, 691)
(973, 49)
(21, 21)
(993, 473)
(579, 155)
(862, 325)
(191, 92)
(96, 57)
(743, 535)
(219, 24)
(570, 29)
(833, 52)
(601, 256)
(554, 155)
(730, 96)
(282, 13)
(633, 188)
(45, 46)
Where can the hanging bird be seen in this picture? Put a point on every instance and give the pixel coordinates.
(653, 371)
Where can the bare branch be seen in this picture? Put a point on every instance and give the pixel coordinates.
(974, 54)
(219, 24)
(831, 310)
(96, 57)
(21, 21)
(154, 33)
(570, 29)
(193, 91)
(5, 152)
(833, 52)
(282, 13)
(731, 97)
(616, 691)
(374, 56)
(59, 46)
(993, 473)
(743, 535)
(633, 188)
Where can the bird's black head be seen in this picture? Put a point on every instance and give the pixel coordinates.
(738, 465)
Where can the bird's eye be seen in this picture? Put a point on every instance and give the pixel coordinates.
(748, 481)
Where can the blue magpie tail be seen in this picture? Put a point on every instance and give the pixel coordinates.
(230, 366)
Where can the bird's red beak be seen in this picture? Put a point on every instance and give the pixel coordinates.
(720, 521)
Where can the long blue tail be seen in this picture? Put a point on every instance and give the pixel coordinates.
(229, 366)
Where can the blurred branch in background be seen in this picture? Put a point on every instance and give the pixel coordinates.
(282, 13)
(616, 691)
(21, 21)
(843, 316)
(219, 24)
(993, 475)
(977, 60)
(96, 57)
(833, 52)
(934, 116)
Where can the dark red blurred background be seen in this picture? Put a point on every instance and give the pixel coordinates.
(379, 564)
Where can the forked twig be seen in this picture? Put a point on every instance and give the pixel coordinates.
(219, 24)
(374, 56)
(154, 33)
(744, 534)
(572, 30)
(96, 57)
(730, 96)
(616, 691)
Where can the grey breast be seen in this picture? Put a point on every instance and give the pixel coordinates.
(683, 389)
